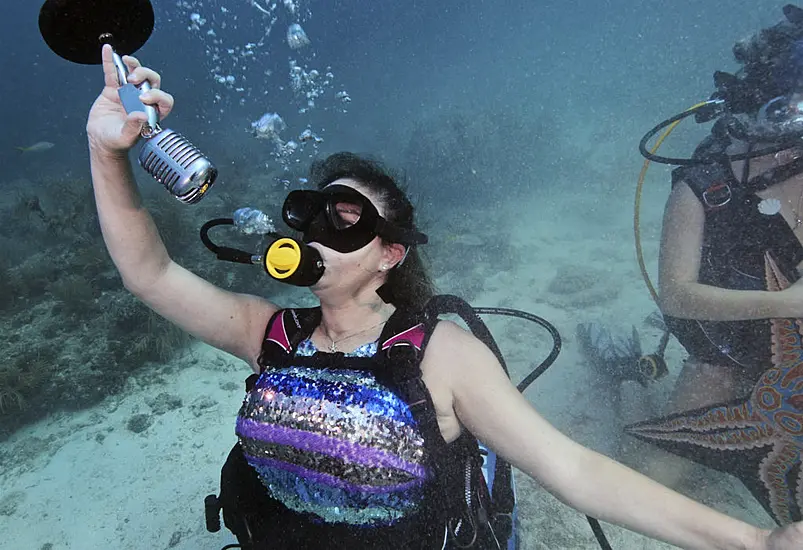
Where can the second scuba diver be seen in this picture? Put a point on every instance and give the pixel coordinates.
(735, 205)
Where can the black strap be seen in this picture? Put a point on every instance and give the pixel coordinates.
(714, 185)
(404, 366)
(776, 175)
(502, 496)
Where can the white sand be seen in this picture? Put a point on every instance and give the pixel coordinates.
(128, 490)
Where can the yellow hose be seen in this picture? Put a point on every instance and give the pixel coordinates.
(637, 206)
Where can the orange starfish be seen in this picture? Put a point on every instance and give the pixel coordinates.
(757, 438)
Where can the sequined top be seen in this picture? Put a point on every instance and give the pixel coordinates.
(334, 443)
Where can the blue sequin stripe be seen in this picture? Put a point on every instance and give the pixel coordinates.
(334, 504)
(317, 385)
(334, 482)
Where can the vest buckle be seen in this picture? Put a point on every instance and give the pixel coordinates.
(717, 195)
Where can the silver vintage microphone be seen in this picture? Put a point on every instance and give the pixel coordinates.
(178, 165)
(166, 155)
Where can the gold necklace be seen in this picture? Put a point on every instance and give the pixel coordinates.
(334, 343)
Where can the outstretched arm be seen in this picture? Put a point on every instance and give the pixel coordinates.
(491, 408)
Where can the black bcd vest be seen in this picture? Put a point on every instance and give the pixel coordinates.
(457, 496)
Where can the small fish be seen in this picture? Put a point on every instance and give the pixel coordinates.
(38, 147)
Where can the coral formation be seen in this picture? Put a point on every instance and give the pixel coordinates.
(70, 332)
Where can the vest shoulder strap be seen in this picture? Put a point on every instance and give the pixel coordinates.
(400, 351)
(284, 332)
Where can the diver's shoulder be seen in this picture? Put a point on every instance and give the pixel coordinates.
(449, 337)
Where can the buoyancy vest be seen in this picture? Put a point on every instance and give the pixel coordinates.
(456, 507)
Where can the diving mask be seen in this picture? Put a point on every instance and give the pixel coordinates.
(771, 87)
(343, 219)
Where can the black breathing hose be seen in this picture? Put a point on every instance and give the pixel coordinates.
(596, 528)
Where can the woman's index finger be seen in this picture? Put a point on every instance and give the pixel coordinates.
(109, 68)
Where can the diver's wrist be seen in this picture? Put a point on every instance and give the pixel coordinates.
(783, 305)
(100, 153)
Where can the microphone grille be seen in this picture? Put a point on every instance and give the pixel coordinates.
(178, 165)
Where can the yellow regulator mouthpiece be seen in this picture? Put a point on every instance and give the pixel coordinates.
(283, 258)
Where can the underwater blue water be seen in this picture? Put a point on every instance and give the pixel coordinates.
(481, 103)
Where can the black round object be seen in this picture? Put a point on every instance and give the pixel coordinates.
(76, 29)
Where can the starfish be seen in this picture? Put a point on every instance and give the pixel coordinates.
(757, 438)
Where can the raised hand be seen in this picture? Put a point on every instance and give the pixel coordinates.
(109, 128)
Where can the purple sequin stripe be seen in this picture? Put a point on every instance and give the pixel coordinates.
(345, 450)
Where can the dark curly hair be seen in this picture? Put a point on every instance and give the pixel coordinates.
(409, 284)
(772, 65)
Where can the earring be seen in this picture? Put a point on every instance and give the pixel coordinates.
(384, 267)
